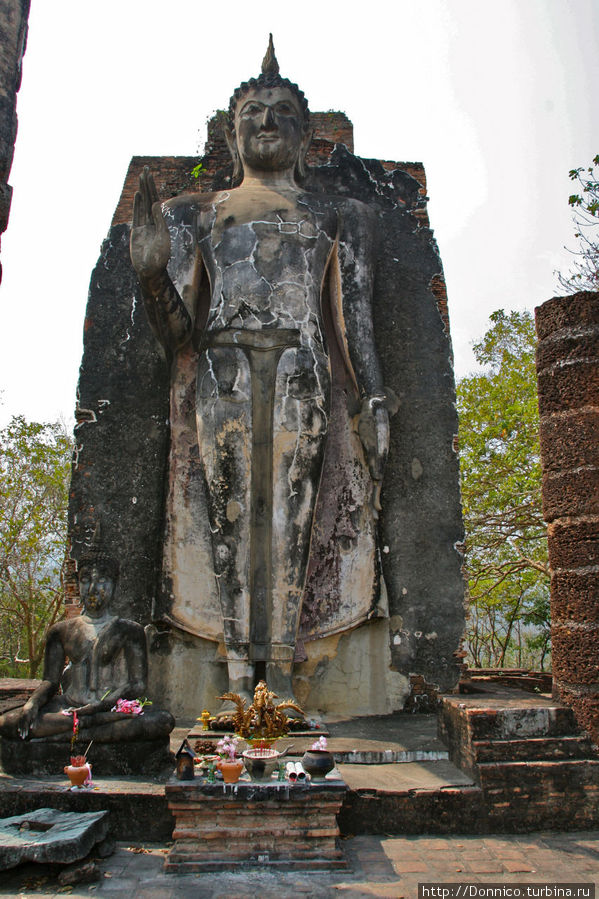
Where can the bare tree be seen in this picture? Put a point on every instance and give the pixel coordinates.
(584, 272)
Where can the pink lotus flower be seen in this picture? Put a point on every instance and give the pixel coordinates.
(227, 747)
(130, 706)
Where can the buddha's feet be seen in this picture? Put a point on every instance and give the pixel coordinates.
(280, 682)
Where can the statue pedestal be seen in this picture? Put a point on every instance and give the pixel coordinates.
(272, 825)
(22, 757)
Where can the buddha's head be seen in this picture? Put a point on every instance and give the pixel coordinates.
(268, 126)
(98, 575)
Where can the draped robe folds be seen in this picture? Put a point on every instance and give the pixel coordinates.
(270, 535)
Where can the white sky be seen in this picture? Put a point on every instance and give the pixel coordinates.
(497, 99)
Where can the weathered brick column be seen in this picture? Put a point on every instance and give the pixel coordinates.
(568, 386)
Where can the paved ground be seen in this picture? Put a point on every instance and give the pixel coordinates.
(379, 866)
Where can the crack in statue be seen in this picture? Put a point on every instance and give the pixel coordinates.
(267, 265)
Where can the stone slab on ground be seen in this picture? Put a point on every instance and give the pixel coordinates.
(48, 835)
(380, 739)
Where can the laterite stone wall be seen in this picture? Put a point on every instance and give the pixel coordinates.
(568, 387)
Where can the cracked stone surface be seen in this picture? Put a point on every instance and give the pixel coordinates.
(385, 599)
(48, 835)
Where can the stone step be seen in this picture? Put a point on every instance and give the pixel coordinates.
(555, 777)
(533, 748)
(381, 756)
(542, 794)
(425, 797)
(521, 723)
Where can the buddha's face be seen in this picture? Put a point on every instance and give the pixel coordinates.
(96, 589)
(269, 129)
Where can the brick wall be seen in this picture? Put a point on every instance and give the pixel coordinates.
(172, 174)
(568, 386)
(13, 35)
(71, 588)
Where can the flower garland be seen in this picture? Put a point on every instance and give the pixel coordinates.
(75, 733)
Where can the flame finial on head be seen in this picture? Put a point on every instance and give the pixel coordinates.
(95, 555)
(270, 66)
(269, 77)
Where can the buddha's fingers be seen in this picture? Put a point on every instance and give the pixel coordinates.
(151, 186)
(139, 216)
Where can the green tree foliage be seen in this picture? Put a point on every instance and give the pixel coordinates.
(506, 545)
(584, 273)
(34, 479)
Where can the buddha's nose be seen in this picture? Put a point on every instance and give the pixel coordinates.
(268, 119)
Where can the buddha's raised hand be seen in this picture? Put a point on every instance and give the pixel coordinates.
(150, 243)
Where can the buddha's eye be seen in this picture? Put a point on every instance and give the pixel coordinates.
(284, 108)
(252, 109)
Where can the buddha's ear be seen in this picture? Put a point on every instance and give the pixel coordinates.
(231, 140)
(304, 147)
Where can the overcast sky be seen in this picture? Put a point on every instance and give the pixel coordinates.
(497, 99)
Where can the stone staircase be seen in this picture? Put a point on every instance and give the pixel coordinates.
(526, 753)
(495, 761)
